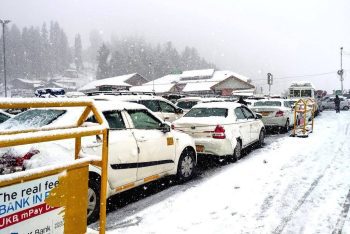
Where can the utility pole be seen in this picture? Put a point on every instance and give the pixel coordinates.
(151, 72)
(3, 23)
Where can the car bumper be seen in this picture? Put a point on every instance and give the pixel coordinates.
(274, 121)
(215, 147)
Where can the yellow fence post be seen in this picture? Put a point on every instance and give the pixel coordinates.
(104, 181)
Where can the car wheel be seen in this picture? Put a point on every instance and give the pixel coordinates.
(186, 165)
(261, 138)
(346, 108)
(237, 153)
(93, 209)
(285, 129)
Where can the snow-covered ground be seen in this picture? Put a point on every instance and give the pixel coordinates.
(292, 185)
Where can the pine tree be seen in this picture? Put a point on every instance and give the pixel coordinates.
(103, 68)
(45, 52)
(78, 53)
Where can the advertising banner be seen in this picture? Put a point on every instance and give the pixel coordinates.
(23, 208)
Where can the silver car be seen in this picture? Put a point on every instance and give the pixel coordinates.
(328, 103)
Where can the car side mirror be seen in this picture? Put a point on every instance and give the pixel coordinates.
(179, 111)
(164, 127)
(258, 116)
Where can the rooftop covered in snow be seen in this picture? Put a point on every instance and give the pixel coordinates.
(117, 82)
(197, 81)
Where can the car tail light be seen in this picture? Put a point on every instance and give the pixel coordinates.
(279, 113)
(27, 156)
(10, 163)
(219, 132)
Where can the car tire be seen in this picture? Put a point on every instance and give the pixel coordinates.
(261, 138)
(345, 108)
(186, 166)
(237, 153)
(93, 210)
(285, 129)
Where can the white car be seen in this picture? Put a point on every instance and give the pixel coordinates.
(142, 148)
(222, 129)
(187, 103)
(160, 106)
(275, 113)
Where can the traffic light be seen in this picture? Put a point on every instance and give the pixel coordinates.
(269, 79)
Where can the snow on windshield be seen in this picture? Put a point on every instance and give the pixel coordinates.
(33, 118)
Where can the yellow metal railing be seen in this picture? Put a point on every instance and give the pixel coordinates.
(11, 138)
(303, 107)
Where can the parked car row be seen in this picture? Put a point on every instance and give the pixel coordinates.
(143, 144)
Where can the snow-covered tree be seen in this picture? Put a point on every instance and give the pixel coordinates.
(78, 60)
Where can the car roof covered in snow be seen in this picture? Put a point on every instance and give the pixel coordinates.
(273, 100)
(226, 105)
(107, 105)
(127, 98)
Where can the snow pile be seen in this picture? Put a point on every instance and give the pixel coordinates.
(292, 185)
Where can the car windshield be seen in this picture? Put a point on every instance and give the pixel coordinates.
(186, 104)
(33, 118)
(207, 112)
(268, 103)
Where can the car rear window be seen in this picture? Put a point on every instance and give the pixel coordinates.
(268, 103)
(33, 118)
(186, 104)
(207, 112)
(151, 104)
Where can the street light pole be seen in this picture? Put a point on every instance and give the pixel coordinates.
(341, 69)
(3, 23)
(151, 71)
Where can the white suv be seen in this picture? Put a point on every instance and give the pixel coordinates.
(161, 107)
(222, 129)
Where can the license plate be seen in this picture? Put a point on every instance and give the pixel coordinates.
(264, 113)
(200, 148)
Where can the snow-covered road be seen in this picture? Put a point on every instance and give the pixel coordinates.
(292, 185)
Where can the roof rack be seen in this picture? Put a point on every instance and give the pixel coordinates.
(117, 93)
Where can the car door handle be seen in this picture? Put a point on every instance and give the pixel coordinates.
(166, 118)
(141, 139)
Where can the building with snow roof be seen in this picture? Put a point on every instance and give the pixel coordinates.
(197, 82)
(116, 83)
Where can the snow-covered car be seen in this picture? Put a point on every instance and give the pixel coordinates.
(275, 113)
(142, 147)
(19, 158)
(328, 103)
(222, 129)
(4, 116)
(160, 106)
(187, 103)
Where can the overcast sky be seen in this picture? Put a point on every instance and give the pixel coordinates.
(251, 37)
